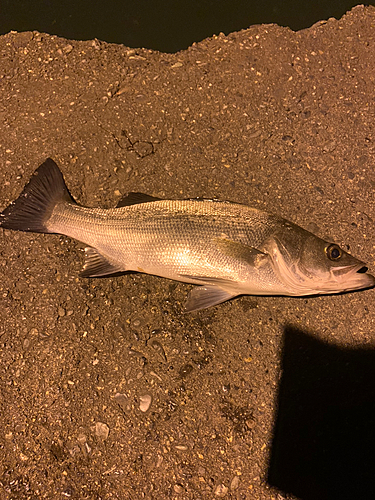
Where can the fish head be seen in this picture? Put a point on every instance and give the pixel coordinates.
(309, 265)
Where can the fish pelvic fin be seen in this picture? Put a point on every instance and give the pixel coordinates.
(32, 209)
(205, 296)
(97, 265)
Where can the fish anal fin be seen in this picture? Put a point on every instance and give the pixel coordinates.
(97, 264)
(201, 297)
(135, 199)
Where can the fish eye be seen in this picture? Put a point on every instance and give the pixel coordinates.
(333, 252)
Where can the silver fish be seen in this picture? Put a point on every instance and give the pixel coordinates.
(227, 248)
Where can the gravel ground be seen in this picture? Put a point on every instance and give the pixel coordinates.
(107, 390)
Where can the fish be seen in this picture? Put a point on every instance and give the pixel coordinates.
(227, 249)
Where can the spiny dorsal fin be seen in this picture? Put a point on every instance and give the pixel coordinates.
(98, 265)
(135, 198)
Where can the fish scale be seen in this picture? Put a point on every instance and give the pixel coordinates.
(180, 235)
(227, 248)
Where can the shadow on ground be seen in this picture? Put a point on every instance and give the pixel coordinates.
(324, 436)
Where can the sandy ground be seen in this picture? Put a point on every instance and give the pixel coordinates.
(258, 398)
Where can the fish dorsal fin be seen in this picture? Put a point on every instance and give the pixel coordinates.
(98, 265)
(135, 198)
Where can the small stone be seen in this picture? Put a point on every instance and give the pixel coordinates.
(123, 401)
(137, 323)
(61, 312)
(68, 48)
(143, 149)
(221, 490)
(234, 483)
(81, 438)
(101, 430)
(329, 147)
(96, 44)
(249, 423)
(185, 370)
(26, 343)
(178, 488)
(159, 348)
(145, 402)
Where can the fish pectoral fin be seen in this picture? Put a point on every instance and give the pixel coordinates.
(240, 251)
(204, 296)
(135, 199)
(97, 265)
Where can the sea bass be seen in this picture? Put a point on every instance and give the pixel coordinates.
(226, 248)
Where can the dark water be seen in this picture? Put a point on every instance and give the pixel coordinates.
(165, 25)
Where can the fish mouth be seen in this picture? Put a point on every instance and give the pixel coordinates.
(351, 278)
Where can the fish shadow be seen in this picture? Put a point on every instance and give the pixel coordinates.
(324, 434)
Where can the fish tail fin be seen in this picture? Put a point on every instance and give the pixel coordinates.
(32, 209)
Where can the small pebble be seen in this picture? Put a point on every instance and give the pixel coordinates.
(221, 490)
(81, 438)
(123, 401)
(145, 402)
(26, 343)
(68, 48)
(185, 370)
(234, 483)
(101, 430)
(143, 149)
(178, 488)
(159, 348)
